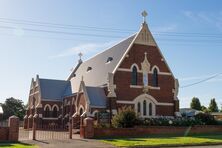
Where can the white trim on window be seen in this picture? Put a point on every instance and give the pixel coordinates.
(81, 107)
(55, 105)
(134, 64)
(136, 86)
(50, 109)
(158, 70)
(140, 86)
(140, 71)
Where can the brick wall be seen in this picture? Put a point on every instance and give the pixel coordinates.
(4, 133)
(11, 132)
(122, 79)
(155, 130)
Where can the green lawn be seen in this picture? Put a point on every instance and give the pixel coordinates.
(165, 141)
(16, 145)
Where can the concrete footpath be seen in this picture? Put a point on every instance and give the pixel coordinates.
(69, 143)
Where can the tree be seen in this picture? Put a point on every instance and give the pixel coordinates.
(13, 106)
(195, 104)
(213, 106)
(204, 109)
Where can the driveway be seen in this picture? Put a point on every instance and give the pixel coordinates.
(69, 143)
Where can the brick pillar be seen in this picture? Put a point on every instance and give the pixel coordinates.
(87, 129)
(76, 121)
(13, 125)
(30, 121)
(25, 126)
(34, 126)
(70, 128)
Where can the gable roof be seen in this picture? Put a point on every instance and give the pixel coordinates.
(95, 71)
(96, 96)
(53, 89)
(98, 67)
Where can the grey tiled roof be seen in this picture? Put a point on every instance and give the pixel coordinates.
(68, 90)
(53, 89)
(96, 96)
(98, 74)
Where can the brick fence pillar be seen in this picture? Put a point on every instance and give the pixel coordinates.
(30, 121)
(13, 125)
(25, 126)
(87, 129)
(34, 126)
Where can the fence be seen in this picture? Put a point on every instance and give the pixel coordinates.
(89, 131)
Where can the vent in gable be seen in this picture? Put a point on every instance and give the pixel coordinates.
(109, 59)
(89, 69)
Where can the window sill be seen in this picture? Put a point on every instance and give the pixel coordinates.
(136, 86)
(140, 86)
(153, 87)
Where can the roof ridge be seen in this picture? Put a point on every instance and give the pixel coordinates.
(52, 79)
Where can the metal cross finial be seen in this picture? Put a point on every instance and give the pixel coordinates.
(80, 55)
(144, 14)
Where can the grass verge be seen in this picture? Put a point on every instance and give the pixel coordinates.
(16, 145)
(165, 141)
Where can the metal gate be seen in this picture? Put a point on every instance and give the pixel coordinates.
(25, 134)
(52, 132)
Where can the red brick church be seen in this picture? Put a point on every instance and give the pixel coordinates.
(133, 73)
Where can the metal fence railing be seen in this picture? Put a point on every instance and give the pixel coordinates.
(4, 123)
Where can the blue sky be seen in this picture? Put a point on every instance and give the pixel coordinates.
(188, 32)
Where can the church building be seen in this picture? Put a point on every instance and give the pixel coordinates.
(132, 73)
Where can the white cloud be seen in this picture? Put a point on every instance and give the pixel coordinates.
(83, 48)
(213, 19)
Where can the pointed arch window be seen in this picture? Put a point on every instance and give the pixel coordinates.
(144, 107)
(138, 107)
(47, 111)
(55, 112)
(155, 77)
(134, 76)
(150, 109)
(81, 111)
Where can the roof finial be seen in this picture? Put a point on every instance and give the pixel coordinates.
(80, 57)
(144, 14)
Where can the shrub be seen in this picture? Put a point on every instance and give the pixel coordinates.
(163, 121)
(206, 118)
(125, 118)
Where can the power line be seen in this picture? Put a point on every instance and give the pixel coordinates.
(62, 32)
(204, 80)
(102, 29)
(64, 25)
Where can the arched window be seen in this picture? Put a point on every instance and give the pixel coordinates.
(155, 77)
(81, 111)
(144, 107)
(138, 107)
(150, 109)
(55, 112)
(134, 76)
(47, 111)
